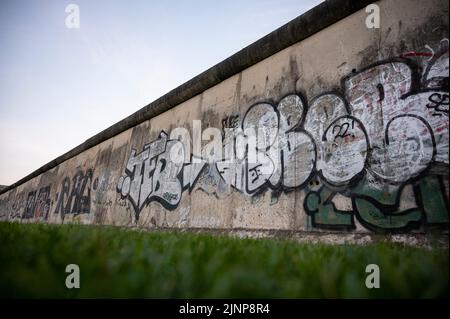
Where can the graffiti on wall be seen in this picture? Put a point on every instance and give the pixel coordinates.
(405, 115)
(74, 196)
(152, 175)
(37, 203)
(378, 143)
(382, 134)
(285, 157)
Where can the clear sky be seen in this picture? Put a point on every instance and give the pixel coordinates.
(60, 86)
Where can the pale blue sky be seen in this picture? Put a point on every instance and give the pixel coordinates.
(60, 86)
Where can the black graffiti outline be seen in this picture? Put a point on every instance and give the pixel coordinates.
(75, 192)
(328, 201)
(418, 85)
(443, 82)
(357, 177)
(336, 92)
(439, 111)
(414, 89)
(433, 141)
(345, 133)
(33, 198)
(153, 198)
(298, 127)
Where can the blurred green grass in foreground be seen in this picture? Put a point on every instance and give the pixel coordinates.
(116, 263)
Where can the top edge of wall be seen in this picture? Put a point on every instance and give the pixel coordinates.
(298, 29)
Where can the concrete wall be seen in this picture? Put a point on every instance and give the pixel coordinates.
(360, 120)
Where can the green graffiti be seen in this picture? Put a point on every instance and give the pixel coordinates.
(373, 215)
(323, 212)
(378, 209)
(433, 200)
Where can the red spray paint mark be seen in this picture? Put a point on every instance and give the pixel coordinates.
(412, 53)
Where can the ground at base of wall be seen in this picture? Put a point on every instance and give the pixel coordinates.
(430, 239)
(116, 262)
(422, 240)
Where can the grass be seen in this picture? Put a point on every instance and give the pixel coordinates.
(125, 263)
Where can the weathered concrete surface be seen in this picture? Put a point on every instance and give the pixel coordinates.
(428, 241)
(360, 117)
